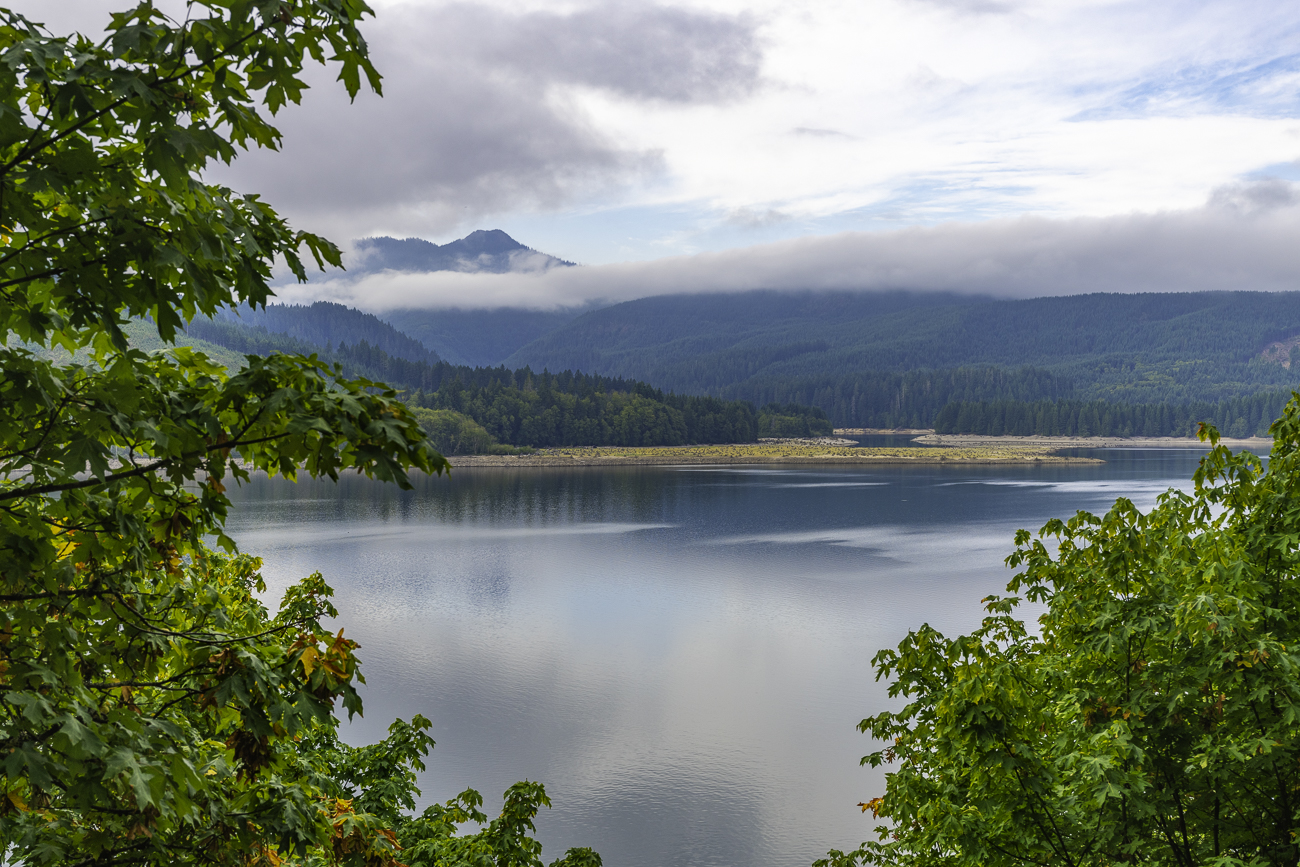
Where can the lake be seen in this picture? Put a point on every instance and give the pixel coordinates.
(680, 654)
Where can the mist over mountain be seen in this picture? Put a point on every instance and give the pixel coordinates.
(482, 251)
(475, 337)
(885, 359)
(479, 338)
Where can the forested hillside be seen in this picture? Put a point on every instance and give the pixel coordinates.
(1238, 417)
(901, 400)
(882, 360)
(523, 408)
(859, 356)
(478, 338)
(323, 325)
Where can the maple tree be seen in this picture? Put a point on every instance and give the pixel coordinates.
(152, 709)
(1153, 717)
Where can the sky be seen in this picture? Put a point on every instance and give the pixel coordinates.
(1017, 147)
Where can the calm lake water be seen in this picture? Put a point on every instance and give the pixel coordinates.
(680, 654)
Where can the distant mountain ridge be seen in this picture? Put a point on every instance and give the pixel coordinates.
(876, 359)
(516, 407)
(478, 338)
(323, 324)
(853, 353)
(489, 251)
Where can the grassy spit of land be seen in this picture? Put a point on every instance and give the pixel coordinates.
(785, 452)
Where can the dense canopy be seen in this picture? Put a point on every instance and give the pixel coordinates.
(152, 710)
(1153, 717)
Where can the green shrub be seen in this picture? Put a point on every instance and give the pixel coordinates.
(454, 434)
(1152, 717)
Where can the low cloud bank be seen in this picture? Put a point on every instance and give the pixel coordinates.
(1247, 237)
(480, 116)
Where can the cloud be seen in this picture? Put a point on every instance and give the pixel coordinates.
(750, 218)
(480, 114)
(608, 129)
(1244, 239)
(641, 52)
(817, 132)
(1255, 197)
(973, 7)
(1265, 88)
(87, 17)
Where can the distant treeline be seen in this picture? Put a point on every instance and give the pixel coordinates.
(901, 400)
(250, 340)
(1237, 417)
(793, 420)
(523, 408)
(1118, 396)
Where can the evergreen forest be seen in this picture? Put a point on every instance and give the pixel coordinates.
(1236, 417)
(323, 324)
(522, 408)
(1157, 363)
(1117, 347)
(889, 360)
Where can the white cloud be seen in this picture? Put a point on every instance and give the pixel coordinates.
(1243, 239)
(914, 112)
(680, 118)
(481, 115)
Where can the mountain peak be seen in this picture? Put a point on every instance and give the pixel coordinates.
(490, 250)
(490, 241)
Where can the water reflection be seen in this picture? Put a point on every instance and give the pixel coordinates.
(681, 654)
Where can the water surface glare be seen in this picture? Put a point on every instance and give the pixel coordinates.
(680, 654)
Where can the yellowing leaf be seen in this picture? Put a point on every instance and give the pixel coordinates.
(308, 659)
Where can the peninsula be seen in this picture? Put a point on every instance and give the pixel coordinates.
(799, 451)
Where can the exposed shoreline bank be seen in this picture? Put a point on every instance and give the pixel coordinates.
(929, 437)
(973, 441)
(768, 453)
(932, 448)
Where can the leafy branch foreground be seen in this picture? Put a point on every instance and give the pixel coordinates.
(152, 710)
(1154, 716)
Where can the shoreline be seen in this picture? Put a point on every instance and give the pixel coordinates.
(931, 448)
(972, 440)
(880, 431)
(768, 453)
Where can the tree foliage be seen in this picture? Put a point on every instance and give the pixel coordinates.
(152, 710)
(523, 408)
(793, 420)
(323, 324)
(1152, 718)
(910, 399)
(1237, 417)
(456, 434)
